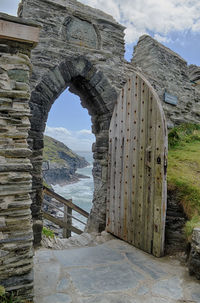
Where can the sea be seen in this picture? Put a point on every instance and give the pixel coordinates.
(80, 192)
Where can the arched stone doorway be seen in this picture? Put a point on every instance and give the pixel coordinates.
(99, 97)
(82, 48)
(56, 49)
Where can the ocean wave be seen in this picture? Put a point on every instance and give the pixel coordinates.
(80, 192)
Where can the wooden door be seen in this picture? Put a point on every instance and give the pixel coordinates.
(136, 202)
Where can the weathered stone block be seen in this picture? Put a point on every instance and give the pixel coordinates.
(37, 229)
(54, 81)
(65, 72)
(4, 48)
(19, 75)
(194, 258)
(80, 32)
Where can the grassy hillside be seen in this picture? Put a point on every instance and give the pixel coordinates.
(57, 152)
(184, 171)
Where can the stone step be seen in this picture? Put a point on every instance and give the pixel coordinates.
(85, 239)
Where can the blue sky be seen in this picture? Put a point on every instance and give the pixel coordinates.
(175, 23)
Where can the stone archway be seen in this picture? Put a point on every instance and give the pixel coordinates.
(82, 48)
(99, 97)
(57, 64)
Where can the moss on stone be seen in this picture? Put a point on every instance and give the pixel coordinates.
(10, 297)
(48, 232)
(46, 184)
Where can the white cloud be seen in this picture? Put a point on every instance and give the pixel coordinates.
(80, 140)
(58, 131)
(85, 131)
(146, 16)
(161, 39)
(196, 26)
(159, 17)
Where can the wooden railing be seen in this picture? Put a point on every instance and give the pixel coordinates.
(66, 222)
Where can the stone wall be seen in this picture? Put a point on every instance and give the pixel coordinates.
(168, 72)
(70, 28)
(194, 74)
(16, 235)
(175, 239)
(194, 258)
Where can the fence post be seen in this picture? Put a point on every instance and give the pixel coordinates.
(67, 219)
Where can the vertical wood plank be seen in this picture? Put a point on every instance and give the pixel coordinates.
(118, 183)
(134, 168)
(139, 168)
(131, 132)
(127, 160)
(158, 198)
(68, 220)
(145, 124)
(116, 139)
(110, 175)
(150, 185)
(113, 176)
(123, 201)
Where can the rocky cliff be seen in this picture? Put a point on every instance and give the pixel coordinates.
(63, 162)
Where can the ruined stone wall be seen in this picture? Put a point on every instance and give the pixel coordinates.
(168, 72)
(81, 48)
(16, 235)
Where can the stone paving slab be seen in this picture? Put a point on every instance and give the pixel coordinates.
(107, 278)
(114, 272)
(146, 265)
(124, 299)
(87, 256)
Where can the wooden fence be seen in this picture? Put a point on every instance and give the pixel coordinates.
(66, 222)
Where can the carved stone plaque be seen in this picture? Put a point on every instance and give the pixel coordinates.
(80, 32)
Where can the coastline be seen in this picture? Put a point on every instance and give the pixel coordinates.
(77, 178)
(80, 190)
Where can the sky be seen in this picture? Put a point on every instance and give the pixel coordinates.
(175, 23)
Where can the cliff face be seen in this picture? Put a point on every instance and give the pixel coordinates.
(63, 162)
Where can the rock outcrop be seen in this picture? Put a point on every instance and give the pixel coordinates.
(194, 258)
(63, 162)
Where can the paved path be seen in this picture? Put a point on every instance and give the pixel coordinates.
(114, 272)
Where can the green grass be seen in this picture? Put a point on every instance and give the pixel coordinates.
(190, 225)
(48, 232)
(45, 184)
(53, 149)
(184, 171)
(6, 297)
